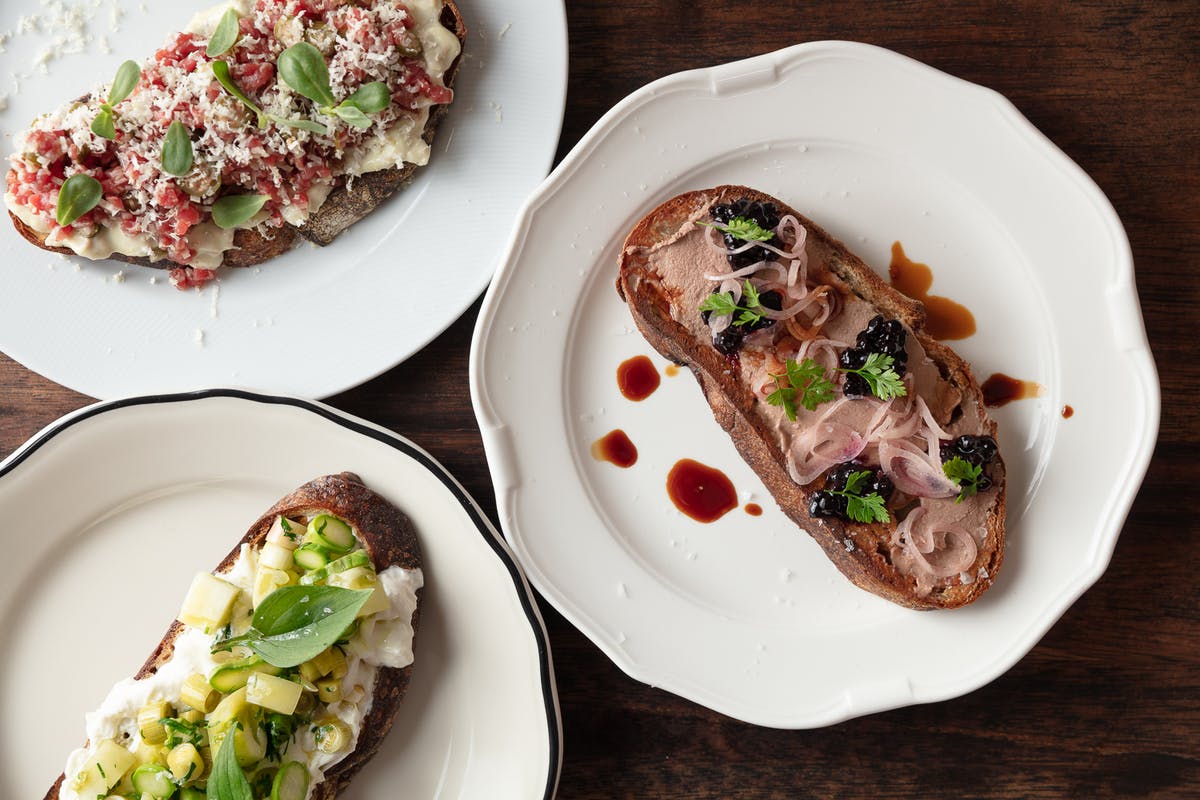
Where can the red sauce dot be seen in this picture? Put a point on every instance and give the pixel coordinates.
(615, 448)
(1000, 390)
(753, 509)
(703, 493)
(637, 378)
(1068, 412)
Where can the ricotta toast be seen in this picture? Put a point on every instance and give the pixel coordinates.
(284, 669)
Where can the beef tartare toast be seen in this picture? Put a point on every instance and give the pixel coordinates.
(265, 121)
(869, 434)
(284, 669)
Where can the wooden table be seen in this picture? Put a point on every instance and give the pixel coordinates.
(1108, 704)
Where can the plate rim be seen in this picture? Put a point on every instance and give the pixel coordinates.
(399, 443)
(501, 449)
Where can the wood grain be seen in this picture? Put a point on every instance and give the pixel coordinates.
(1108, 704)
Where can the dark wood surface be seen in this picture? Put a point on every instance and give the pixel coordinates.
(1108, 704)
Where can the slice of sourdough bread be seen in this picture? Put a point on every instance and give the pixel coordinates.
(662, 269)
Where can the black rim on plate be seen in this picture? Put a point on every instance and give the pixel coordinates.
(394, 441)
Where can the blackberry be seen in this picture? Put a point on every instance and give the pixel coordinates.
(728, 341)
(976, 450)
(856, 386)
(825, 504)
(766, 215)
(884, 336)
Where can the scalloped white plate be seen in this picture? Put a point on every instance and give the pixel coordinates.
(746, 616)
(315, 321)
(116, 506)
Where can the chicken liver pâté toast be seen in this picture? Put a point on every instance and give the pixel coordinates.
(869, 434)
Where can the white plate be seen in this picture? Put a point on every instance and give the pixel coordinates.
(121, 503)
(746, 616)
(353, 309)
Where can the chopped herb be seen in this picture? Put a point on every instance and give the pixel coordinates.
(884, 382)
(806, 381)
(722, 303)
(967, 475)
(862, 507)
(742, 228)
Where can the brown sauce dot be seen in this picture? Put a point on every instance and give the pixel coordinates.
(1068, 412)
(615, 448)
(753, 509)
(703, 493)
(672, 370)
(944, 318)
(637, 378)
(1000, 390)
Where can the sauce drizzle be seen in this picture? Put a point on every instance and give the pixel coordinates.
(637, 378)
(703, 493)
(1000, 390)
(944, 318)
(616, 448)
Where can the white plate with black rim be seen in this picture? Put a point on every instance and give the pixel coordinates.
(356, 308)
(119, 505)
(746, 615)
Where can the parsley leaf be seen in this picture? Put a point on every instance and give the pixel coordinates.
(884, 382)
(806, 381)
(742, 228)
(965, 474)
(723, 303)
(862, 507)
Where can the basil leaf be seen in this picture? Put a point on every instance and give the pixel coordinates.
(227, 781)
(233, 210)
(303, 124)
(295, 623)
(177, 155)
(352, 116)
(371, 98)
(128, 75)
(103, 125)
(303, 68)
(79, 194)
(225, 35)
(221, 71)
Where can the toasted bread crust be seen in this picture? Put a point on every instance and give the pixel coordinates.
(347, 203)
(389, 537)
(736, 407)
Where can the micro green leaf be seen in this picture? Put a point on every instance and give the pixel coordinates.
(353, 116)
(371, 98)
(177, 154)
(103, 125)
(227, 781)
(233, 210)
(295, 623)
(79, 195)
(128, 75)
(225, 35)
(303, 68)
(303, 124)
(221, 71)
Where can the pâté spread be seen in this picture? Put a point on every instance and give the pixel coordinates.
(287, 149)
